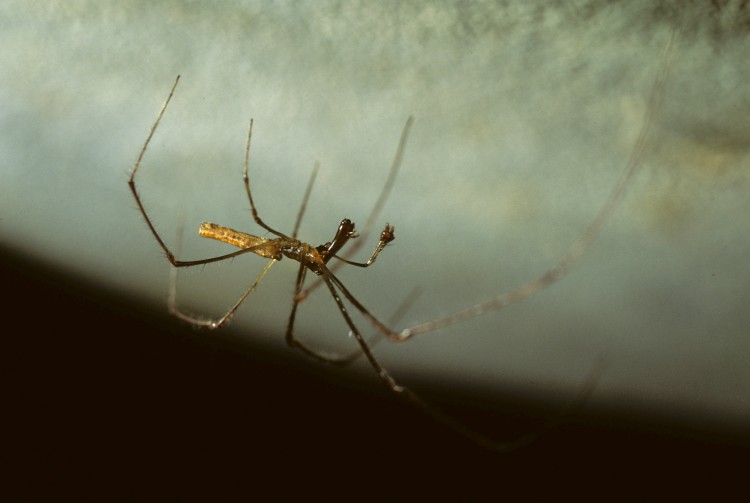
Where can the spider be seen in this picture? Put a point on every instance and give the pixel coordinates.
(316, 259)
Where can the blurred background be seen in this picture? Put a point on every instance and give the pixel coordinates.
(525, 115)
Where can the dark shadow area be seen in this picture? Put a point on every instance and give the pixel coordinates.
(108, 399)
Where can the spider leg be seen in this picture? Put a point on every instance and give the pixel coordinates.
(293, 342)
(583, 242)
(376, 209)
(386, 191)
(210, 323)
(435, 412)
(329, 277)
(390, 382)
(374, 340)
(378, 337)
(379, 370)
(246, 179)
(136, 196)
(305, 199)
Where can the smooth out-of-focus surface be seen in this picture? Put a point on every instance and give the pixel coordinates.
(525, 117)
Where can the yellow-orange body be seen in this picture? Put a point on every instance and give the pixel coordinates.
(275, 248)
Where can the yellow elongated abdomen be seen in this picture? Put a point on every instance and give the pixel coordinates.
(265, 247)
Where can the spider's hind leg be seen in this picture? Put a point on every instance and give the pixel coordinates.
(213, 323)
(293, 342)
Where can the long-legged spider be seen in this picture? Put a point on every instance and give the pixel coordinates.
(317, 258)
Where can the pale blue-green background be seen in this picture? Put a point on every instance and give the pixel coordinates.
(525, 116)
